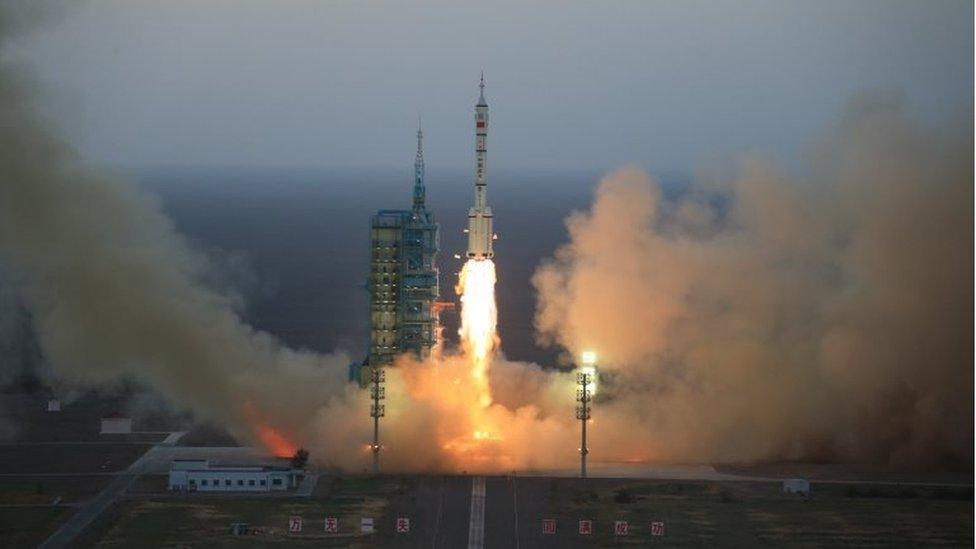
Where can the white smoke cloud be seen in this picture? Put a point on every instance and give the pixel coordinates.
(780, 317)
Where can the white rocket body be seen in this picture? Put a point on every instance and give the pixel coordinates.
(480, 233)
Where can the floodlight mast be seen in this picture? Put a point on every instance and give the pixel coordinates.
(585, 379)
(376, 411)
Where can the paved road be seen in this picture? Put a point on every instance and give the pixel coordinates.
(445, 512)
(502, 520)
(77, 523)
(439, 509)
(476, 517)
(515, 509)
(87, 514)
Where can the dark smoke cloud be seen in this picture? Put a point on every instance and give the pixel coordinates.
(823, 317)
(114, 291)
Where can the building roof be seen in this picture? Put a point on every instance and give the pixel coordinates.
(229, 468)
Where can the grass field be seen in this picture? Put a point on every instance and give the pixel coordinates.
(745, 514)
(69, 458)
(207, 519)
(29, 526)
(38, 490)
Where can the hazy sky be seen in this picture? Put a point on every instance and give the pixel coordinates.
(581, 85)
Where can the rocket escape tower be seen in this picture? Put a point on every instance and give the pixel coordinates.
(403, 279)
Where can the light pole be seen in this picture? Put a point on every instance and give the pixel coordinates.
(586, 381)
(376, 411)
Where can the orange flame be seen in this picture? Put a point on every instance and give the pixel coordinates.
(479, 317)
(272, 439)
(479, 338)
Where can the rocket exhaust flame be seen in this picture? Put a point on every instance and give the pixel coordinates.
(479, 316)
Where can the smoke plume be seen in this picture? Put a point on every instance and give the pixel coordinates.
(771, 317)
(827, 317)
(115, 292)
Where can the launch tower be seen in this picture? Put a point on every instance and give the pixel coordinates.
(403, 279)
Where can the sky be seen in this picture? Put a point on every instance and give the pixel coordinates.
(670, 86)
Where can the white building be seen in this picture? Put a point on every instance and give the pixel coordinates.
(199, 475)
(116, 425)
(53, 405)
(796, 486)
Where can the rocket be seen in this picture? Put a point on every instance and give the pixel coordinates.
(479, 230)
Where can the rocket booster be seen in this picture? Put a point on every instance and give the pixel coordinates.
(480, 234)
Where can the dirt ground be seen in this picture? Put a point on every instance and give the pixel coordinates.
(748, 514)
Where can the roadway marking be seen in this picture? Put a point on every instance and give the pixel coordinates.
(437, 520)
(476, 528)
(515, 507)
